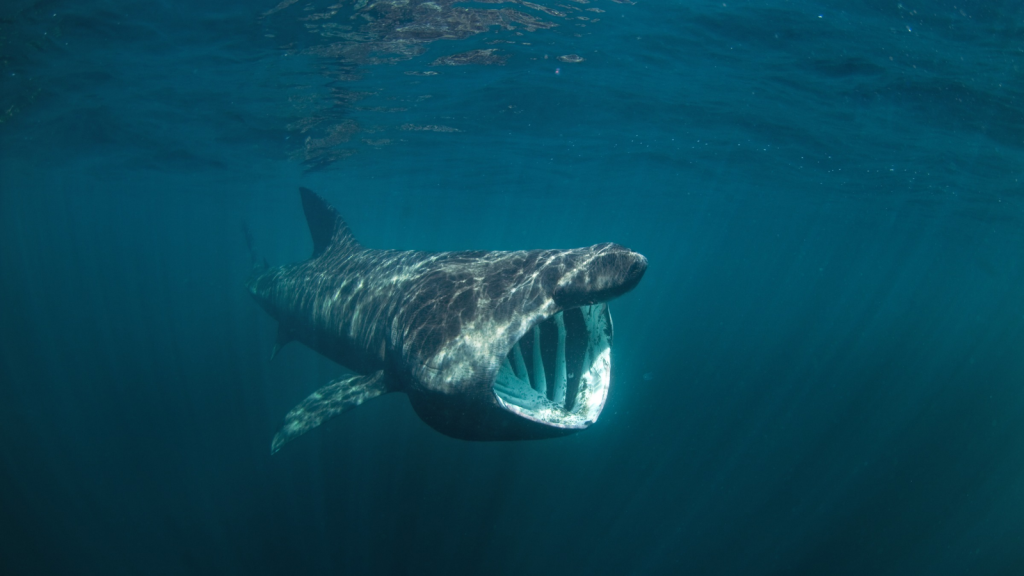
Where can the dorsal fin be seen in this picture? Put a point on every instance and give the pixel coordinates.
(325, 224)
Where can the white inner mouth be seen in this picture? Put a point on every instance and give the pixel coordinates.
(561, 378)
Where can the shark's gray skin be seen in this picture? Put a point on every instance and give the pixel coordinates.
(487, 345)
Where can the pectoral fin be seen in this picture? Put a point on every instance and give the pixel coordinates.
(339, 396)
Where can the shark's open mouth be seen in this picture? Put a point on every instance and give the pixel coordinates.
(558, 373)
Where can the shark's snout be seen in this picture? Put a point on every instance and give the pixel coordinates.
(598, 274)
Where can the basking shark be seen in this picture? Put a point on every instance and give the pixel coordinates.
(487, 345)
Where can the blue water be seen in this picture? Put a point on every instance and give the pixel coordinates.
(821, 373)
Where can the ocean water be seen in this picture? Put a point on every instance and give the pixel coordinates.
(822, 371)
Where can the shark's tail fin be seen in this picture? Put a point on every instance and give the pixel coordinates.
(258, 264)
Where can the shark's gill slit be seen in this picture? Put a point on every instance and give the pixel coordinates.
(558, 371)
(540, 381)
(558, 393)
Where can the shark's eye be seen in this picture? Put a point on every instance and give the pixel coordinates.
(558, 372)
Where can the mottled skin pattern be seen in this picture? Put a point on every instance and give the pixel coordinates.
(433, 325)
